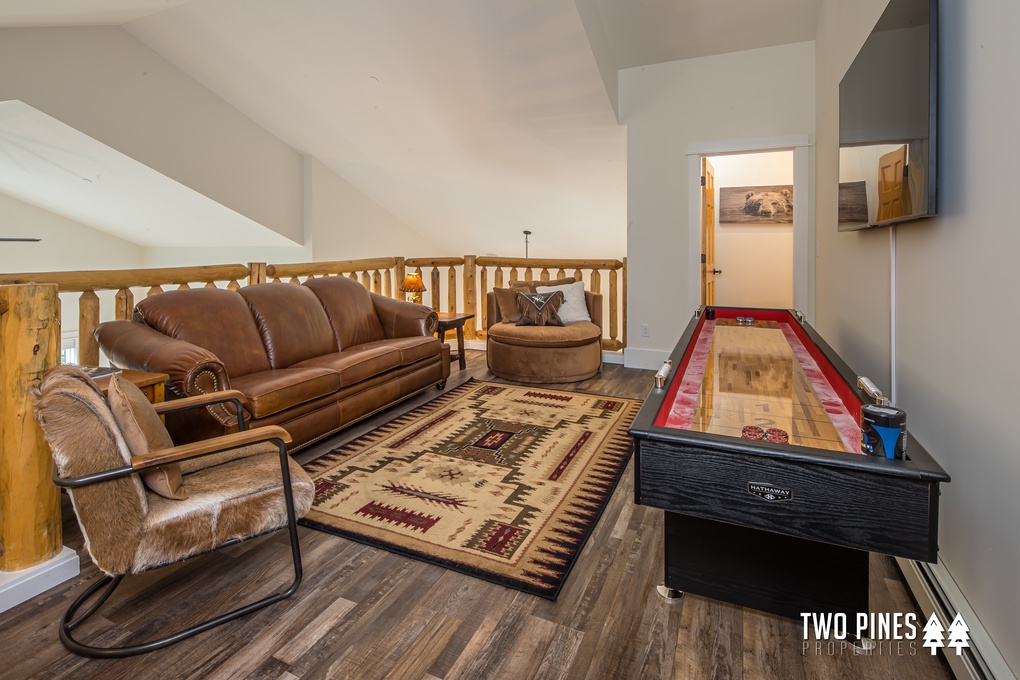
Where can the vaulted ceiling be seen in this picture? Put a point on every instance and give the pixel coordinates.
(470, 121)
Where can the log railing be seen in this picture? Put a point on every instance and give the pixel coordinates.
(380, 275)
(535, 269)
(452, 283)
(442, 276)
(126, 282)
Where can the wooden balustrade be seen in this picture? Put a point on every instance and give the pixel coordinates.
(434, 285)
(375, 274)
(123, 281)
(547, 269)
(452, 283)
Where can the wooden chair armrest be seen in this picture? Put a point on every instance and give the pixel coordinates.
(235, 397)
(183, 452)
(205, 447)
(200, 400)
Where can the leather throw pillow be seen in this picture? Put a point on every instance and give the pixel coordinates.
(539, 309)
(144, 432)
(506, 301)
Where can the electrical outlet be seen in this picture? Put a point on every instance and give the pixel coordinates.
(645, 331)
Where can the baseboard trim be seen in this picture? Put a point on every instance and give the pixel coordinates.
(644, 358)
(22, 585)
(936, 591)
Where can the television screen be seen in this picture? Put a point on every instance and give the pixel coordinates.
(887, 121)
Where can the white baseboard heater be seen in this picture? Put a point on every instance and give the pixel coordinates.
(936, 591)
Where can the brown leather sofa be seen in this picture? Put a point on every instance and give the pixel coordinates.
(544, 354)
(312, 358)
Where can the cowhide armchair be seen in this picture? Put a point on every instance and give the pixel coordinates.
(143, 503)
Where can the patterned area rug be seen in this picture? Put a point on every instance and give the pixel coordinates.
(497, 481)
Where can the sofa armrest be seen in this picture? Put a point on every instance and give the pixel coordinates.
(401, 319)
(192, 369)
(492, 308)
(594, 302)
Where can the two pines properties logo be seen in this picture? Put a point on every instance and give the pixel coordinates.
(881, 633)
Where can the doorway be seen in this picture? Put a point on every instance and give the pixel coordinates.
(803, 214)
(752, 238)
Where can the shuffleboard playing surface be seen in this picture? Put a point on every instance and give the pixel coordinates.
(757, 381)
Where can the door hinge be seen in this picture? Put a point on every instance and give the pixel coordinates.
(702, 180)
(703, 259)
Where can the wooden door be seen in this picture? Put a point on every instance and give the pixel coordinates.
(891, 168)
(708, 270)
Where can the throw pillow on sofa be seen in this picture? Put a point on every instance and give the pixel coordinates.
(539, 309)
(574, 307)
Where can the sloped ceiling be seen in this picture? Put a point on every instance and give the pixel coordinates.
(470, 121)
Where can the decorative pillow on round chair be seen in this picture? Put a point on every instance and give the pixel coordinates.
(574, 307)
(539, 309)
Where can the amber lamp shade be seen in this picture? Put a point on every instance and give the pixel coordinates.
(413, 284)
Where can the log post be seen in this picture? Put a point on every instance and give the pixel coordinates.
(88, 322)
(623, 303)
(483, 302)
(451, 290)
(434, 292)
(470, 296)
(398, 279)
(256, 273)
(614, 323)
(30, 530)
(125, 304)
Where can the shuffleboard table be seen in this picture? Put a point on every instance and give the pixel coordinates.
(752, 447)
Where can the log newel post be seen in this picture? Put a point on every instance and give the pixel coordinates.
(30, 530)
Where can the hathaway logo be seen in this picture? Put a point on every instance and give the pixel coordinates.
(769, 492)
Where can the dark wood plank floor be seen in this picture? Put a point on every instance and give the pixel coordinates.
(365, 613)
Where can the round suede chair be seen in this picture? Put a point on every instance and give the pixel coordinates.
(543, 354)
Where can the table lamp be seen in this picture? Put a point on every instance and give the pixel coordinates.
(413, 284)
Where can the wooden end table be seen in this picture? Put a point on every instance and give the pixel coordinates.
(151, 384)
(454, 321)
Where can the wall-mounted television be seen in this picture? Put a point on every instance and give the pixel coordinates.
(888, 109)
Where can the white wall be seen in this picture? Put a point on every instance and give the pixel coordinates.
(66, 245)
(105, 83)
(667, 108)
(852, 268)
(346, 224)
(756, 259)
(956, 286)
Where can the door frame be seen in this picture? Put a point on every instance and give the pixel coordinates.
(803, 212)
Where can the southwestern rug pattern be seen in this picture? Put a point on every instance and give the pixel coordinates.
(501, 482)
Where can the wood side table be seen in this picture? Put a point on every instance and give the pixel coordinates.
(151, 384)
(454, 321)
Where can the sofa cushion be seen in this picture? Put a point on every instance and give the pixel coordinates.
(412, 349)
(350, 310)
(144, 433)
(212, 318)
(177, 529)
(359, 362)
(273, 391)
(292, 322)
(570, 335)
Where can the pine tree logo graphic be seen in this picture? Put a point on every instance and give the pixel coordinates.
(933, 631)
(959, 634)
